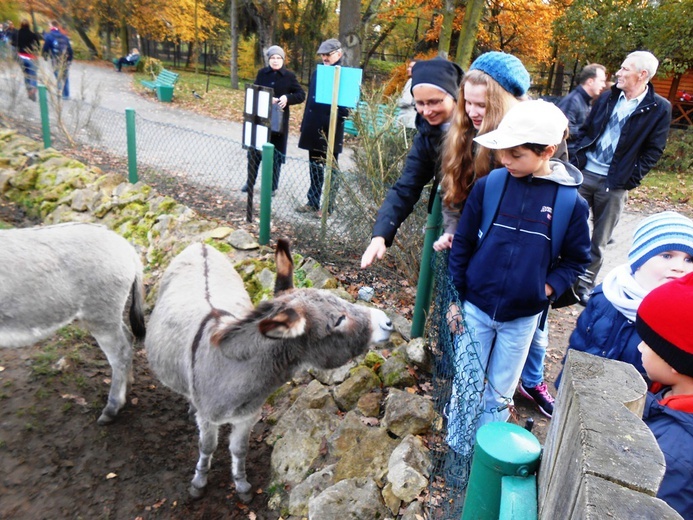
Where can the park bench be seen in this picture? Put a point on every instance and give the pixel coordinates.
(163, 84)
(375, 122)
(132, 64)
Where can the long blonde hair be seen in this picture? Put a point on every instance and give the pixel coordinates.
(461, 164)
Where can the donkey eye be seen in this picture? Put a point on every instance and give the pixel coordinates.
(340, 320)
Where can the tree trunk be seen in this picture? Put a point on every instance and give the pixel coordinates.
(446, 28)
(124, 51)
(85, 38)
(350, 31)
(470, 27)
(233, 18)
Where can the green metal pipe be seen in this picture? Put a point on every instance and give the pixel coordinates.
(45, 120)
(424, 288)
(132, 144)
(266, 192)
(502, 449)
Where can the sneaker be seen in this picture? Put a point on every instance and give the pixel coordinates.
(540, 396)
(306, 208)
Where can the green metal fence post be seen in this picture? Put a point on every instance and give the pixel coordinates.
(45, 120)
(502, 449)
(266, 192)
(424, 287)
(132, 144)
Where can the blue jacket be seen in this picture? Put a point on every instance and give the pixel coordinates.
(421, 166)
(673, 430)
(603, 331)
(53, 42)
(505, 277)
(642, 140)
(575, 106)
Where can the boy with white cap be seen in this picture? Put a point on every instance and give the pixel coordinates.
(507, 280)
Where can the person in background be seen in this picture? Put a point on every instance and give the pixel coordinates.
(622, 138)
(662, 251)
(315, 128)
(405, 103)
(576, 105)
(435, 87)
(28, 45)
(664, 324)
(130, 59)
(287, 92)
(507, 281)
(57, 46)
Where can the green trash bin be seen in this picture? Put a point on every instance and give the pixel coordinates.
(164, 93)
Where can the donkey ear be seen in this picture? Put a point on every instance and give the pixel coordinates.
(285, 267)
(287, 323)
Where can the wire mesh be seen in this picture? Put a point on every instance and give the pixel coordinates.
(458, 386)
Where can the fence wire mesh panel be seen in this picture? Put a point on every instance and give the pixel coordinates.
(458, 386)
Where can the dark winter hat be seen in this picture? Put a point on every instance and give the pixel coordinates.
(664, 323)
(438, 72)
(506, 69)
(665, 231)
(328, 46)
(276, 49)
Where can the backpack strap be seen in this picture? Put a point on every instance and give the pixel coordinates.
(566, 196)
(493, 191)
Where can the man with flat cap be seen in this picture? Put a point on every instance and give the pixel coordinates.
(314, 132)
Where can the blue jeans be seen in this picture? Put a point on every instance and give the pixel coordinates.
(62, 75)
(533, 371)
(29, 73)
(503, 348)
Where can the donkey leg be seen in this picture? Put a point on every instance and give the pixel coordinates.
(238, 446)
(209, 435)
(115, 342)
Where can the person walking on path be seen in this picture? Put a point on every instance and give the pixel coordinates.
(622, 139)
(28, 44)
(315, 128)
(57, 47)
(576, 105)
(287, 92)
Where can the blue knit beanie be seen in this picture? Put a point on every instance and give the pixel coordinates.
(506, 69)
(440, 72)
(666, 231)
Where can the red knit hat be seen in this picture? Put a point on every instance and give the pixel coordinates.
(665, 323)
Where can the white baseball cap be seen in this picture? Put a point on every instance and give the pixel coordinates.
(536, 121)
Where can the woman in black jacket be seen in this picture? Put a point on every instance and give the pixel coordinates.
(28, 44)
(287, 91)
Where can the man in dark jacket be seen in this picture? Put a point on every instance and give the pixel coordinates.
(287, 92)
(622, 139)
(315, 131)
(576, 105)
(57, 46)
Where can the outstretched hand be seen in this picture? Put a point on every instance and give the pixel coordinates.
(375, 250)
(444, 242)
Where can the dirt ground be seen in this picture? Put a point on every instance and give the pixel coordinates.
(56, 462)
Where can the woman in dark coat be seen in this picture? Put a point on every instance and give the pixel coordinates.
(315, 129)
(28, 44)
(287, 91)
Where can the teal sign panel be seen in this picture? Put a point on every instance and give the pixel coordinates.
(349, 85)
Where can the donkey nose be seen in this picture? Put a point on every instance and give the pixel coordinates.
(388, 326)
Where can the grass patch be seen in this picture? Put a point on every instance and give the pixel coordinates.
(670, 189)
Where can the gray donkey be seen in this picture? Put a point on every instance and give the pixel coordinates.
(208, 343)
(53, 275)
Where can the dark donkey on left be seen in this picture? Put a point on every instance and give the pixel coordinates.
(53, 275)
(207, 342)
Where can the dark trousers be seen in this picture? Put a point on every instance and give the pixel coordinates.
(254, 160)
(121, 62)
(607, 206)
(316, 161)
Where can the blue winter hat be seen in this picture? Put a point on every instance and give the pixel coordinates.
(439, 72)
(506, 69)
(666, 231)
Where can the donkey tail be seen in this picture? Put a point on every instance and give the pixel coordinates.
(137, 307)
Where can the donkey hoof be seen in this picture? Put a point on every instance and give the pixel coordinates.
(105, 418)
(196, 492)
(246, 498)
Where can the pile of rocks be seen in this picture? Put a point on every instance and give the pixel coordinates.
(347, 443)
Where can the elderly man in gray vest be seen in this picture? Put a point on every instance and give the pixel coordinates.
(622, 139)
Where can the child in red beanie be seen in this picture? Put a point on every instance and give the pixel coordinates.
(664, 324)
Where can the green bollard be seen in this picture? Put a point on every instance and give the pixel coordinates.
(424, 287)
(502, 449)
(45, 120)
(132, 144)
(266, 193)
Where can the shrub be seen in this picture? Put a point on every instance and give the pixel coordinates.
(678, 155)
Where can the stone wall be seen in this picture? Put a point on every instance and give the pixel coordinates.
(600, 459)
(349, 442)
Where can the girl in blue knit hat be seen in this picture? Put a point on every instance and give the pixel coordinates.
(662, 251)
